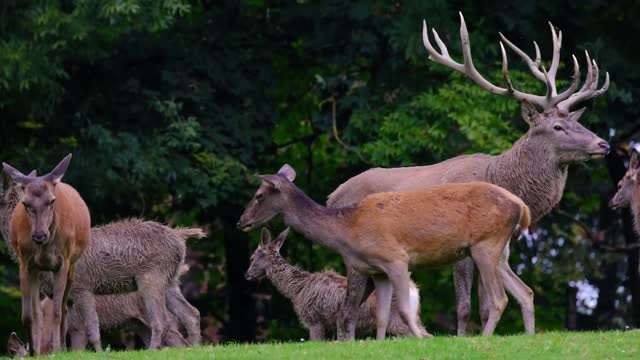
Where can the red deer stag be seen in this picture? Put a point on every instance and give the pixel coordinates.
(387, 233)
(534, 169)
(49, 231)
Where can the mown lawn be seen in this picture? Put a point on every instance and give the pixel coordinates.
(552, 345)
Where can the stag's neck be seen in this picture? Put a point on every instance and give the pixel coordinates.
(531, 171)
(326, 226)
(289, 280)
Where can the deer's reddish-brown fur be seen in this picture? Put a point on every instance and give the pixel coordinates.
(49, 231)
(387, 233)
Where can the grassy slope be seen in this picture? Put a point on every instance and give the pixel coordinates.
(554, 345)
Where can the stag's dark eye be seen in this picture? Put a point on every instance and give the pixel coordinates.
(557, 128)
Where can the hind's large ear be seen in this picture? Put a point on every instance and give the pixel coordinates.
(58, 172)
(15, 175)
(16, 347)
(287, 171)
(277, 243)
(265, 237)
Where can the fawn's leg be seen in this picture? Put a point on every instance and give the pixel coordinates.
(316, 332)
(347, 314)
(86, 307)
(462, 282)
(520, 291)
(153, 287)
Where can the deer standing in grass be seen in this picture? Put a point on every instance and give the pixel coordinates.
(387, 233)
(316, 297)
(534, 169)
(49, 231)
(628, 194)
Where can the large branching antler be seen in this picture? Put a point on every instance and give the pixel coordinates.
(551, 98)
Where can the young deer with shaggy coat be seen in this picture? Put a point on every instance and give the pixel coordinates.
(113, 311)
(534, 169)
(49, 231)
(316, 297)
(133, 255)
(387, 233)
(628, 194)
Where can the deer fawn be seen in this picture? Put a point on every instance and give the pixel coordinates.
(534, 169)
(316, 297)
(387, 233)
(49, 231)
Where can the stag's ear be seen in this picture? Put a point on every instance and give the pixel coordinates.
(529, 113)
(635, 160)
(277, 243)
(575, 115)
(265, 237)
(16, 347)
(33, 173)
(58, 172)
(287, 171)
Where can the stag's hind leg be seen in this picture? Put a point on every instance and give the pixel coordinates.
(486, 256)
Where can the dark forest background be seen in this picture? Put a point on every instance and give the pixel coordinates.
(171, 107)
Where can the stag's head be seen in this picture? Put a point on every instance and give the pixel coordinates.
(551, 121)
(263, 255)
(628, 185)
(270, 199)
(37, 196)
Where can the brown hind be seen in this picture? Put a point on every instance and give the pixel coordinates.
(49, 231)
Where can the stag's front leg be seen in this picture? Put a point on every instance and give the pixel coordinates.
(61, 286)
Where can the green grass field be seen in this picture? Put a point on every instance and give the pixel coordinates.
(552, 345)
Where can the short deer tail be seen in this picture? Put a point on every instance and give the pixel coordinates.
(189, 233)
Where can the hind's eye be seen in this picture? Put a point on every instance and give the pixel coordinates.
(260, 197)
(557, 128)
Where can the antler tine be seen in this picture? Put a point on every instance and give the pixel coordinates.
(443, 59)
(589, 88)
(505, 69)
(555, 60)
(547, 82)
(441, 45)
(534, 66)
(574, 84)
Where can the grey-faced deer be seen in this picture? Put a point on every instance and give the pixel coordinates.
(132, 255)
(387, 233)
(534, 169)
(628, 194)
(316, 297)
(49, 231)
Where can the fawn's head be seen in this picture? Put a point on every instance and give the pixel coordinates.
(628, 185)
(269, 200)
(16, 347)
(37, 195)
(266, 250)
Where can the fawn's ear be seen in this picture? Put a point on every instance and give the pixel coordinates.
(265, 237)
(277, 243)
(16, 347)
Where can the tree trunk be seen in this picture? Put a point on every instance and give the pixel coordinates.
(241, 323)
(571, 316)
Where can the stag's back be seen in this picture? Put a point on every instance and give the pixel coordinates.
(459, 169)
